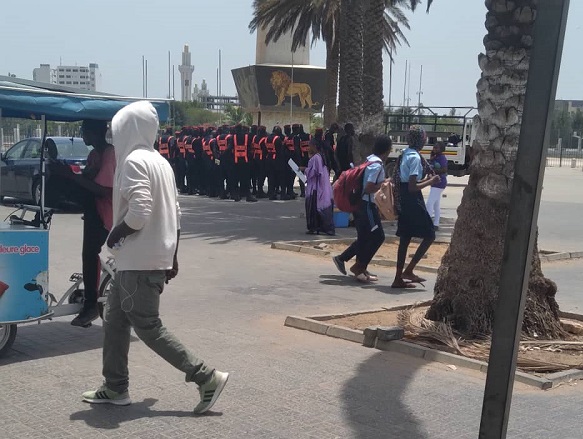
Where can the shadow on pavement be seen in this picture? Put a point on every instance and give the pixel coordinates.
(374, 399)
(53, 339)
(108, 417)
(340, 280)
(224, 221)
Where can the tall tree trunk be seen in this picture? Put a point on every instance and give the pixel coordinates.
(373, 66)
(332, 61)
(350, 37)
(467, 282)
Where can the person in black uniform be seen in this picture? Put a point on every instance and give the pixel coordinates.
(303, 141)
(287, 187)
(189, 160)
(197, 164)
(225, 149)
(274, 161)
(180, 160)
(241, 141)
(344, 155)
(330, 147)
(258, 165)
(163, 143)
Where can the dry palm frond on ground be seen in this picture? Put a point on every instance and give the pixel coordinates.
(427, 333)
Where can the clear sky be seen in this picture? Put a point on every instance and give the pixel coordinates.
(116, 34)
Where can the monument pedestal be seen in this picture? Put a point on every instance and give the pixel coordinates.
(282, 87)
(268, 92)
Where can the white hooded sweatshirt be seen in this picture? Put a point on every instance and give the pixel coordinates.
(144, 192)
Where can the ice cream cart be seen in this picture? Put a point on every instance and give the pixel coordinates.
(25, 294)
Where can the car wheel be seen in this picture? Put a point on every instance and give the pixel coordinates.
(36, 192)
(7, 336)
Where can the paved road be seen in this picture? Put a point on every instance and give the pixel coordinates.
(228, 304)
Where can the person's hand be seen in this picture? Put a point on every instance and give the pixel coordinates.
(435, 179)
(114, 237)
(173, 272)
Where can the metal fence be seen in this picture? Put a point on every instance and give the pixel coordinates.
(565, 157)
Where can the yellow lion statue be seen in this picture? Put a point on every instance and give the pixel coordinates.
(283, 86)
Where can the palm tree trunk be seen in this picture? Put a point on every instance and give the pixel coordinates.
(373, 66)
(350, 37)
(467, 282)
(332, 60)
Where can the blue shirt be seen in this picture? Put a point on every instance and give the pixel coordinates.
(374, 173)
(410, 165)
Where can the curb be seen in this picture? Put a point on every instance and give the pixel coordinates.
(303, 247)
(561, 256)
(316, 325)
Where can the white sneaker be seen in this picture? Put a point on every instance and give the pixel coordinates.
(210, 392)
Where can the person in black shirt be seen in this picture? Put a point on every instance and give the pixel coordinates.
(344, 157)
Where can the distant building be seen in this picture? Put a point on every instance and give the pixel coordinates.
(82, 77)
(186, 69)
(219, 103)
(570, 106)
(200, 93)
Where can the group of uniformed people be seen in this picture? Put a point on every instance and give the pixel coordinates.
(235, 161)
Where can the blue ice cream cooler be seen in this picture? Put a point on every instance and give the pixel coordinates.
(24, 273)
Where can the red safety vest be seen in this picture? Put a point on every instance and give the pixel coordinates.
(305, 145)
(206, 147)
(289, 144)
(240, 150)
(223, 143)
(270, 146)
(163, 147)
(257, 151)
(181, 146)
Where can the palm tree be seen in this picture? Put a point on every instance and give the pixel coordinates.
(466, 289)
(382, 17)
(319, 19)
(350, 95)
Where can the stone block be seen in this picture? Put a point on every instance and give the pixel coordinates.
(390, 333)
(370, 336)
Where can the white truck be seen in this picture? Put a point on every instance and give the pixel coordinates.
(438, 127)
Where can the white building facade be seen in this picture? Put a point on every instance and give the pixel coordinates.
(81, 77)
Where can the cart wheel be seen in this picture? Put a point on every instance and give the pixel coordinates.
(104, 290)
(7, 336)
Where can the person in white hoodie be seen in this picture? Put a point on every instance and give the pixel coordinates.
(146, 218)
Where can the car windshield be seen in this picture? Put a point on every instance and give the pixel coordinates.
(72, 148)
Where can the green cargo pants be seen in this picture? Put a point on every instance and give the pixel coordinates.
(134, 301)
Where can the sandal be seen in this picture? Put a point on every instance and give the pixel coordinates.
(414, 278)
(371, 277)
(362, 277)
(402, 285)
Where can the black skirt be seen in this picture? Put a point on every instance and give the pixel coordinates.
(414, 221)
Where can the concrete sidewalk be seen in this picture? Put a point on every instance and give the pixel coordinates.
(229, 304)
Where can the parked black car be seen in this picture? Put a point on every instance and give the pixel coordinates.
(20, 165)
